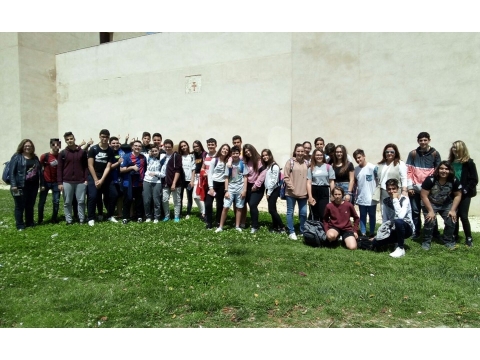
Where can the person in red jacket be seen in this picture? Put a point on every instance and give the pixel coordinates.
(336, 220)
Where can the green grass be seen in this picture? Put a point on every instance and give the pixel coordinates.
(180, 275)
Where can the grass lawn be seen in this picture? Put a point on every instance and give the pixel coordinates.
(181, 275)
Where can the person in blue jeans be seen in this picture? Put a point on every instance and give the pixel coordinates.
(295, 178)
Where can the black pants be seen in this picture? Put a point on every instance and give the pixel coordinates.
(189, 197)
(402, 231)
(127, 202)
(462, 212)
(253, 198)
(115, 191)
(277, 223)
(321, 194)
(25, 203)
(95, 197)
(219, 188)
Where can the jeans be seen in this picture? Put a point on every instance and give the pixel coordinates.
(402, 231)
(462, 213)
(127, 202)
(302, 209)
(372, 214)
(428, 229)
(277, 222)
(95, 197)
(55, 201)
(415, 203)
(115, 191)
(152, 191)
(253, 198)
(71, 190)
(25, 203)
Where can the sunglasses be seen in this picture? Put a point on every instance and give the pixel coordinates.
(389, 152)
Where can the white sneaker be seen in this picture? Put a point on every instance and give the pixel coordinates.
(292, 236)
(155, 221)
(139, 220)
(187, 217)
(219, 229)
(148, 220)
(91, 222)
(253, 231)
(398, 253)
(112, 219)
(239, 229)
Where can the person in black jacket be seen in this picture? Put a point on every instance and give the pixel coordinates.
(466, 173)
(26, 175)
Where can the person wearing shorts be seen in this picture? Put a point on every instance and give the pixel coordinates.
(236, 189)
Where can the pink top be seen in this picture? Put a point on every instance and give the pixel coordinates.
(254, 177)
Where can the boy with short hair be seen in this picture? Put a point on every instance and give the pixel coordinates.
(236, 188)
(365, 183)
(172, 178)
(49, 161)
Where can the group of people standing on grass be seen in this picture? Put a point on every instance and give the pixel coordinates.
(136, 180)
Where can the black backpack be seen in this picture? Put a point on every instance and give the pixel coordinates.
(313, 233)
(364, 243)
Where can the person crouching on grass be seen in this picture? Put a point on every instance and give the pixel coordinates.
(396, 209)
(336, 220)
(235, 189)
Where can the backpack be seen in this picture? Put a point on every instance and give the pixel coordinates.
(313, 233)
(6, 173)
(364, 243)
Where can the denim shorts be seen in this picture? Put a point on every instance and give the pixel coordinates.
(234, 198)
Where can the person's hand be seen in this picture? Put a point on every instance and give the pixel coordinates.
(192, 183)
(254, 188)
(312, 201)
(98, 184)
(14, 189)
(396, 195)
(90, 142)
(411, 192)
(173, 187)
(60, 188)
(227, 195)
(356, 235)
(268, 196)
(82, 143)
(243, 195)
(151, 173)
(453, 215)
(349, 197)
(430, 216)
(135, 168)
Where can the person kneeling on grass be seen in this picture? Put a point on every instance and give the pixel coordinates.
(336, 220)
(236, 188)
(397, 210)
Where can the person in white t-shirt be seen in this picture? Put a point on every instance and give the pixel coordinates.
(365, 183)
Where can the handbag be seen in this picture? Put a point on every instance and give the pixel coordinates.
(377, 193)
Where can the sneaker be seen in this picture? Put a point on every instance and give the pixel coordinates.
(242, 226)
(100, 217)
(469, 242)
(148, 220)
(292, 236)
(91, 222)
(451, 246)
(426, 246)
(112, 219)
(253, 230)
(124, 221)
(219, 229)
(139, 220)
(155, 221)
(176, 220)
(415, 237)
(187, 217)
(166, 218)
(398, 253)
(239, 229)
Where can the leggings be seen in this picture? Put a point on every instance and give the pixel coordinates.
(219, 189)
(253, 198)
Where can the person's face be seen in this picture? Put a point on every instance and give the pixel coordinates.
(360, 159)
(146, 140)
(265, 156)
(211, 146)
(443, 171)
(70, 140)
(391, 190)
(307, 148)
(168, 149)
(157, 141)
(115, 145)
(300, 153)
(136, 148)
(28, 147)
(224, 151)
(454, 150)
(196, 147)
(55, 146)
(390, 154)
(319, 157)
(237, 142)
(184, 148)
(154, 152)
(337, 196)
(235, 156)
(248, 153)
(423, 143)
(104, 139)
(339, 153)
(319, 144)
